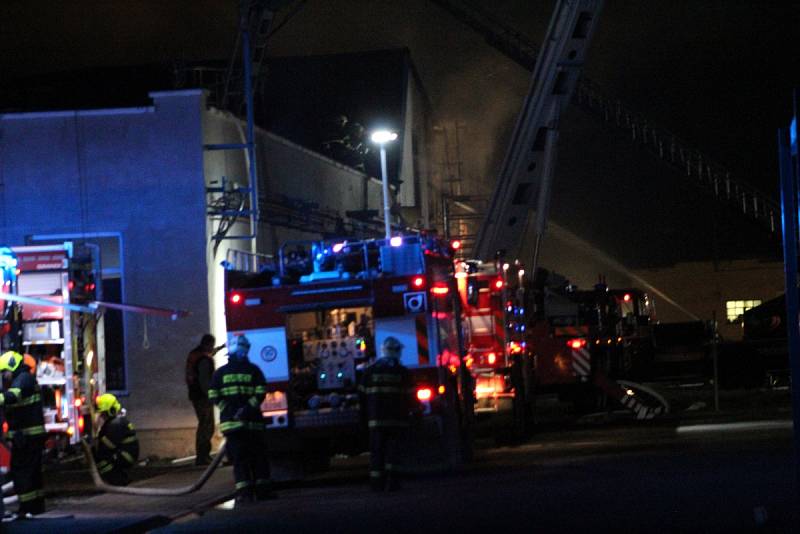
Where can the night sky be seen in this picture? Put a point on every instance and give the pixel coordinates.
(719, 74)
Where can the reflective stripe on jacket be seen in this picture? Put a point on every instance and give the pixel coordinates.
(388, 389)
(22, 402)
(238, 388)
(117, 444)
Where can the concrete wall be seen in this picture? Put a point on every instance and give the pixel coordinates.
(137, 172)
(704, 288)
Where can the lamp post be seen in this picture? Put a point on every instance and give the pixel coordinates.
(381, 137)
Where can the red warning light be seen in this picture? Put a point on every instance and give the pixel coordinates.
(418, 281)
(577, 343)
(491, 358)
(455, 244)
(236, 298)
(424, 394)
(78, 402)
(626, 297)
(498, 284)
(81, 424)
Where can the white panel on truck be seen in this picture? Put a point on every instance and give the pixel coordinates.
(404, 329)
(268, 351)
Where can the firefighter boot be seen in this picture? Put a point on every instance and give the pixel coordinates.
(244, 496)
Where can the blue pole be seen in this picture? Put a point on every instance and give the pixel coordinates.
(789, 192)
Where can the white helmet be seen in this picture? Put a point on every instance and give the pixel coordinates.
(239, 347)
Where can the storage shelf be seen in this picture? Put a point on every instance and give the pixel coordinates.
(45, 342)
(51, 381)
(56, 427)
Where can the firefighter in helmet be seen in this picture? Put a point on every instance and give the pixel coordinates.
(21, 399)
(117, 447)
(386, 384)
(238, 388)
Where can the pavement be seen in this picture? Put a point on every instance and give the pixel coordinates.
(75, 506)
(107, 512)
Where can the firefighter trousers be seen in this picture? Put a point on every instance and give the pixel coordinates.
(248, 452)
(204, 409)
(383, 456)
(26, 472)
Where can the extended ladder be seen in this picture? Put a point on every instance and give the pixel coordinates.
(524, 183)
(643, 132)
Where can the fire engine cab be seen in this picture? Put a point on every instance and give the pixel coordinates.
(316, 315)
(493, 297)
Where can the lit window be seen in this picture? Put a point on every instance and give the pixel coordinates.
(735, 308)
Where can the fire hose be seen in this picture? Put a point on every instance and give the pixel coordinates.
(150, 492)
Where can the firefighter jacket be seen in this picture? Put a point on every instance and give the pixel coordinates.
(22, 402)
(388, 390)
(237, 389)
(199, 368)
(117, 445)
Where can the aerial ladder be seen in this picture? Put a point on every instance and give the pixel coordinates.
(525, 180)
(701, 169)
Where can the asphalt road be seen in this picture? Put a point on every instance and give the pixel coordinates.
(609, 479)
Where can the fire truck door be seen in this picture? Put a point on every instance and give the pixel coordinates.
(268, 351)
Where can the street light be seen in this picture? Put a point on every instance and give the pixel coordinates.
(381, 137)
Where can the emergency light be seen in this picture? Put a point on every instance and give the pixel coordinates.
(424, 394)
(577, 343)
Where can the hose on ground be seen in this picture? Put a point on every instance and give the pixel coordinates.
(150, 492)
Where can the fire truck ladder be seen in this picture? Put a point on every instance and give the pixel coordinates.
(644, 133)
(526, 175)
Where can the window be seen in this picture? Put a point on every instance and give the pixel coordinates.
(735, 308)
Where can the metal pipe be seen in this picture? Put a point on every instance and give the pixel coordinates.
(385, 184)
(251, 147)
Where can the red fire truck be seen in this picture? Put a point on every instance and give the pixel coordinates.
(493, 297)
(590, 344)
(316, 315)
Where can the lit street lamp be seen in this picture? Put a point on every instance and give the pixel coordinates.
(381, 137)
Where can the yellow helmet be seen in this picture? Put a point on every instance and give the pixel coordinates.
(108, 404)
(10, 360)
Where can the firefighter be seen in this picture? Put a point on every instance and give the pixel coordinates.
(199, 368)
(388, 390)
(237, 388)
(22, 402)
(117, 447)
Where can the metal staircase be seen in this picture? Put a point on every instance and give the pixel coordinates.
(644, 133)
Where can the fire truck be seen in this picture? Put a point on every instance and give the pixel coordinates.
(45, 318)
(591, 344)
(315, 316)
(495, 319)
(544, 336)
